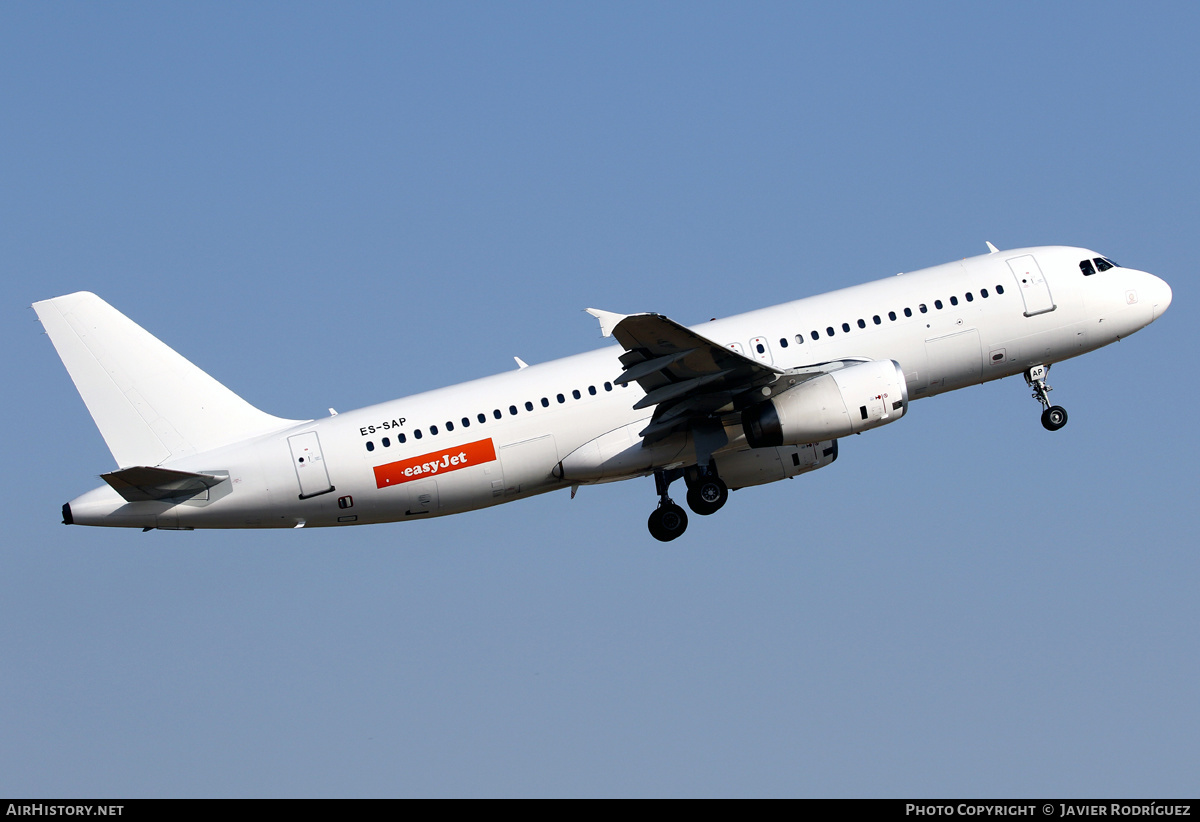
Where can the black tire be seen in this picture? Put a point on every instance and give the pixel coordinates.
(668, 522)
(1054, 418)
(707, 496)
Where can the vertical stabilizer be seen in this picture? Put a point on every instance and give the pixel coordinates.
(150, 404)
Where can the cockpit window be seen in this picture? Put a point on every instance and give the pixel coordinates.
(1101, 264)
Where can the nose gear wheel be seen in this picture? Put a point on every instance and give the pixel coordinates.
(1054, 418)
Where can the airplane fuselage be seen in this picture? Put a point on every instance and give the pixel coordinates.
(568, 422)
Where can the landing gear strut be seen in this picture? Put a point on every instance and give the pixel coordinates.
(668, 521)
(1054, 417)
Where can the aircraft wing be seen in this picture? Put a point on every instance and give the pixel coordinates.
(685, 375)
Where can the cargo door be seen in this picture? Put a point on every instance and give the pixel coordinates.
(954, 361)
(529, 465)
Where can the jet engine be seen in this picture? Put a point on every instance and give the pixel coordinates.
(836, 404)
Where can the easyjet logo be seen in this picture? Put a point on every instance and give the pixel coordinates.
(438, 462)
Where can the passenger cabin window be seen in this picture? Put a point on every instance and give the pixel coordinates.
(846, 328)
(892, 316)
(528, 406)
(924, 309)
(954, 301)
(862, 323)
(387, 443)
(417, 433)
(783, 342)
(575, 393)
(592, 390)
(466, 422)
(908, 312)
(937, 304)
(401, 438)
(877, 320)
(816, 336)
(496, 413)
(370, 445)
(481, 417)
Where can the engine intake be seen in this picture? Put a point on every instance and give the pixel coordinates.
(837, 404)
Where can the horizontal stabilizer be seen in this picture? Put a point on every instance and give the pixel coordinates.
(143, 483)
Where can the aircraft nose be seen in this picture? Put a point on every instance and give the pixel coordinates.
(1160, 295)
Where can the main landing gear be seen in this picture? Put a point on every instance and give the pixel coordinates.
(1054, 417)
(706, 491)
(706, 494)
(668, 521)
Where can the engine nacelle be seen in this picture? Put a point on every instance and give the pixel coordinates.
(758, 466)
(837, 404)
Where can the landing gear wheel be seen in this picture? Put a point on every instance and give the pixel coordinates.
(707, 496)
(1054, 418)
(668, 522)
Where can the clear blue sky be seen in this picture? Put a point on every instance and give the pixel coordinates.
(333, 206)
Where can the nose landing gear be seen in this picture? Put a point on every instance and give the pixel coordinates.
(1054, 417)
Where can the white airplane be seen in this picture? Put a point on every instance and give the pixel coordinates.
(735, 402)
